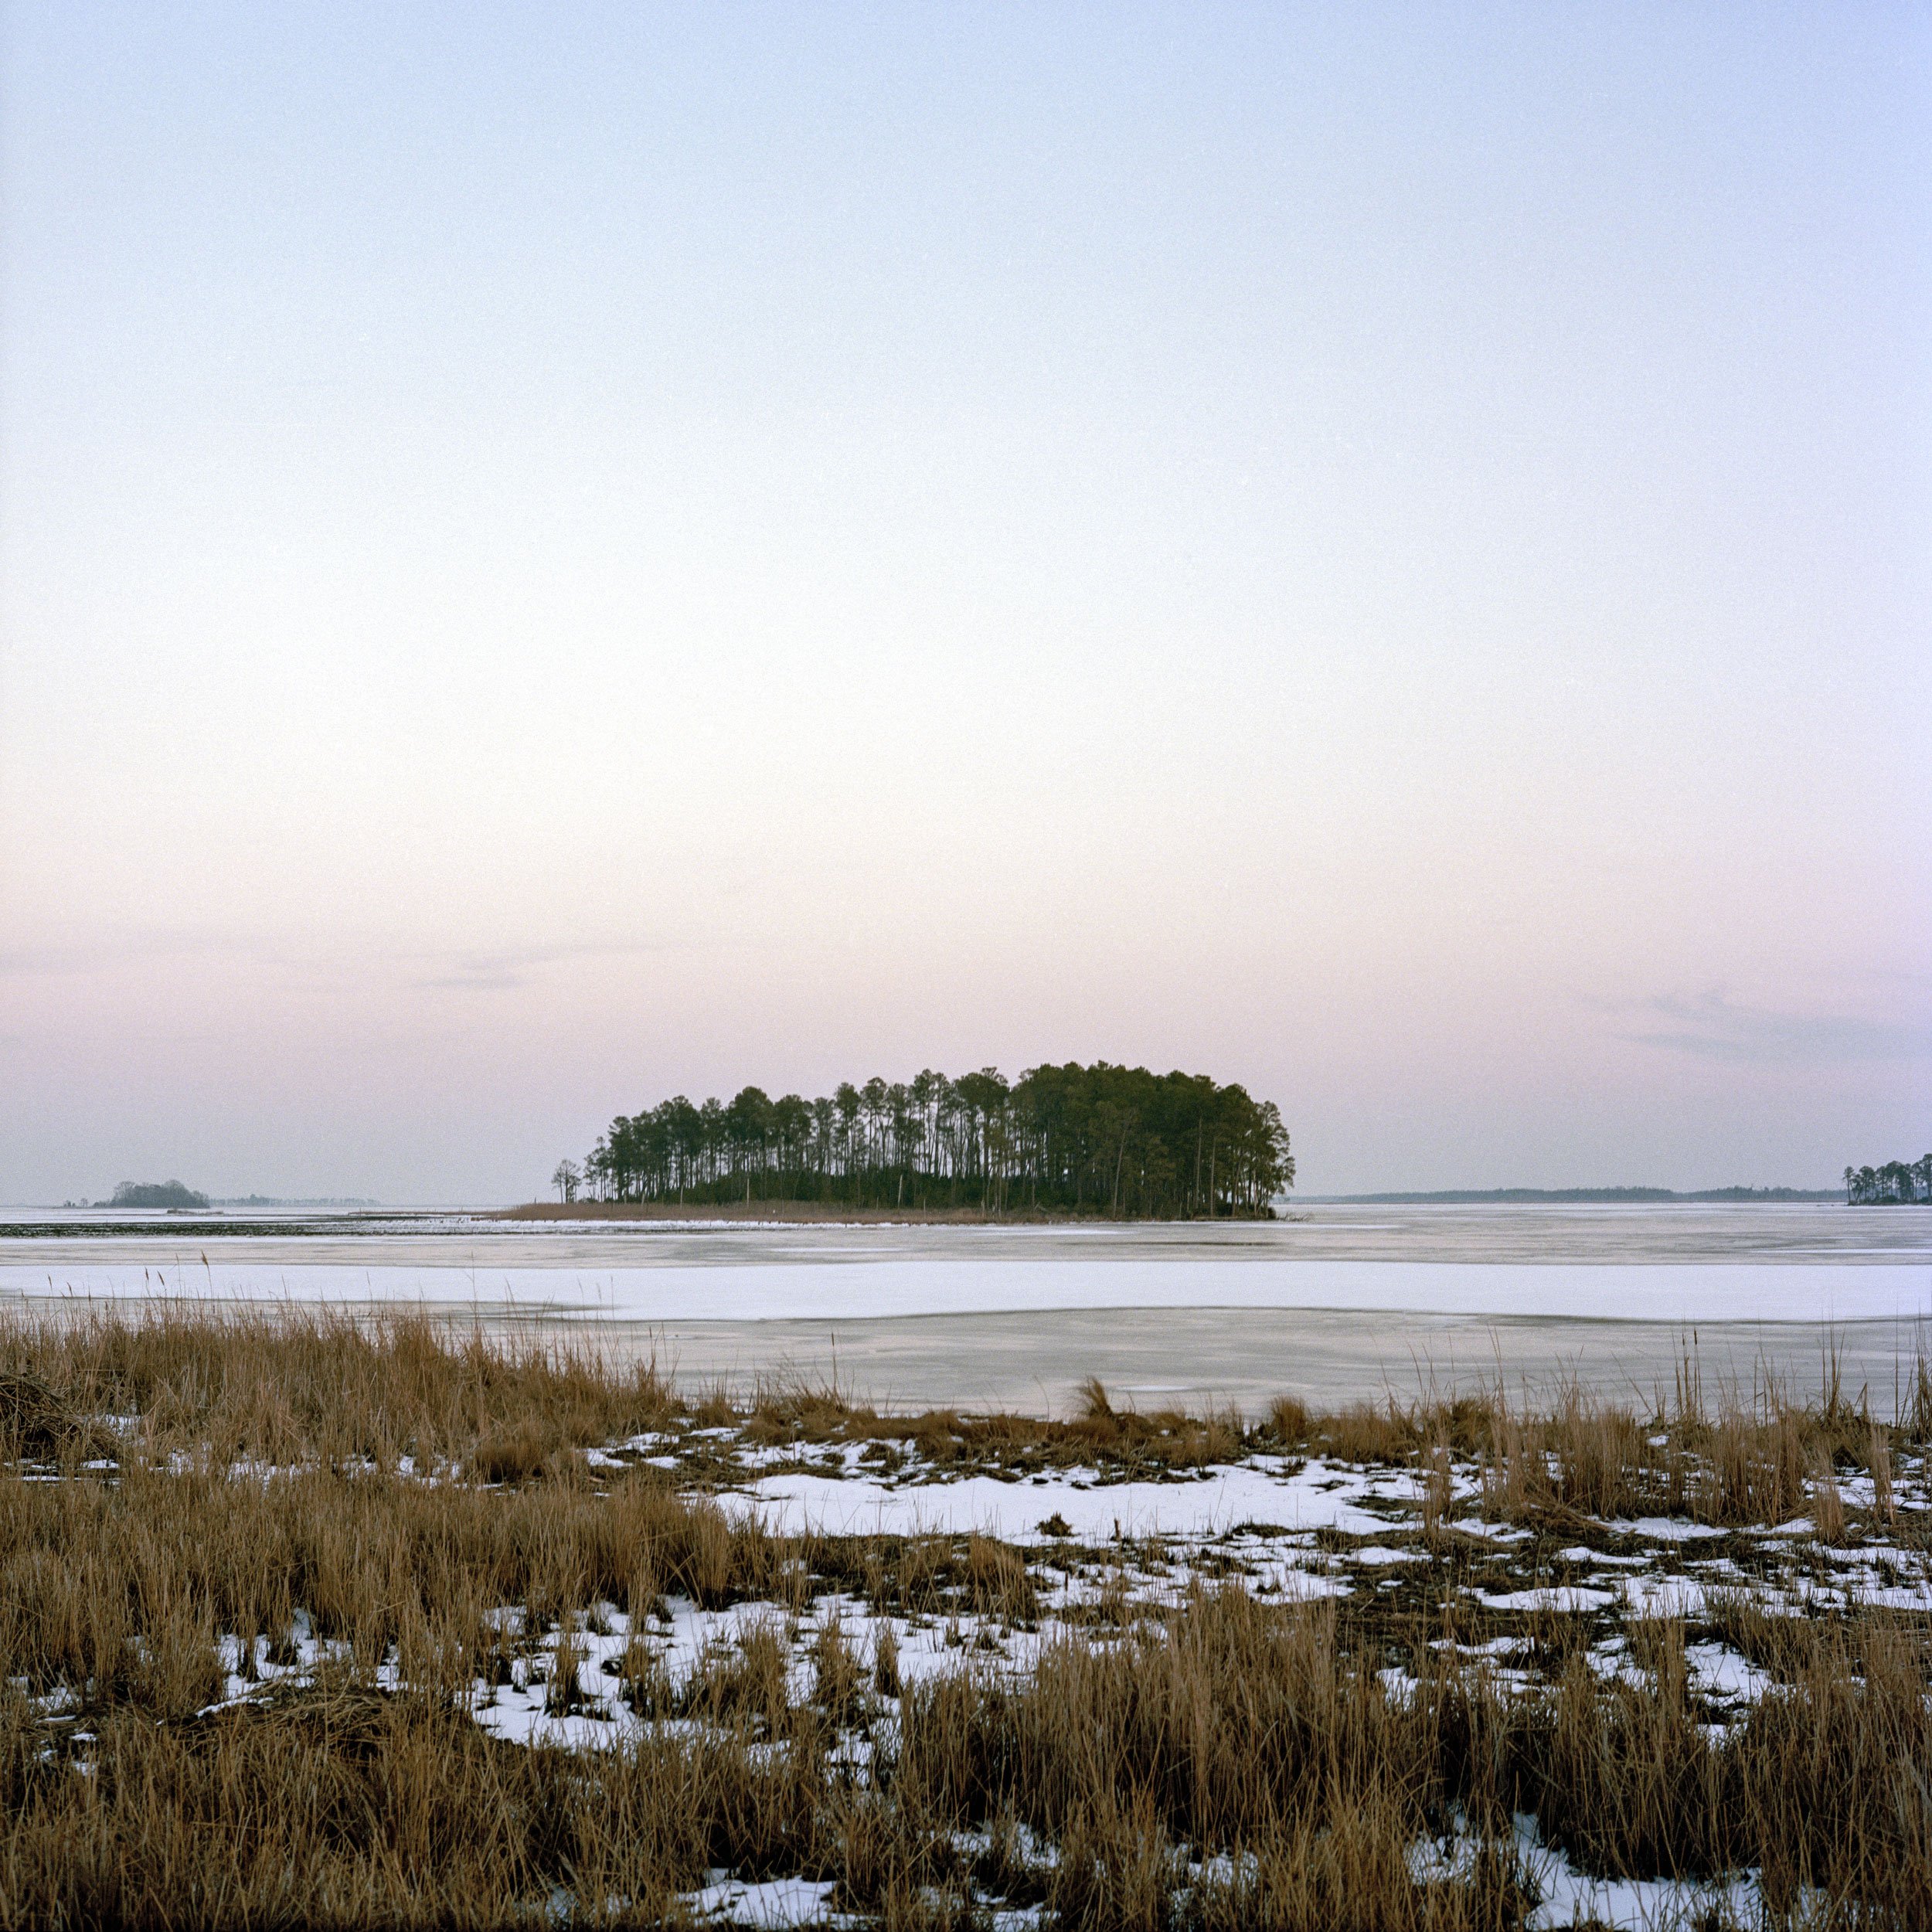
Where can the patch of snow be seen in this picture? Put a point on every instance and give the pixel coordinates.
(772, 1902)
(1721, 1673)
(1666, 1529)
(1570, 1897)
(1663, 1596)
(1566, 1896)
(1319, 1495)
(1567, 1599)
(1493, 1532)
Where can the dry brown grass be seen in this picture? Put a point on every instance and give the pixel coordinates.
(1764, 1459)
(1237, 1725)
(288, 1387)
(1265, 1733)
(1879, 1459)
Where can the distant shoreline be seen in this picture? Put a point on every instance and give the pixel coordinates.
(1575, 1195)
(808, 1212)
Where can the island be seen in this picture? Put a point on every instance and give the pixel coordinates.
(1105, 1141)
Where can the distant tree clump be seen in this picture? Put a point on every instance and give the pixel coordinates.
(1113, 1140)
(157, 1194)
(1897, 1184)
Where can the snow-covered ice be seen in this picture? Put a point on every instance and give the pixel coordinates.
(1668, 1292)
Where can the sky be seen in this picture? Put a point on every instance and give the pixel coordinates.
(555, 555)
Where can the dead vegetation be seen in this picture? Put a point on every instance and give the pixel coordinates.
(389, 1491)
(288, 1388)
(34, 1422)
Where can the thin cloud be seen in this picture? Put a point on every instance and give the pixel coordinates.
(480, 970)
(95, 955)
(1710, 1027)
(495, 971)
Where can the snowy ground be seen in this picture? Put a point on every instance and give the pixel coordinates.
(1090, 1550)
(1099, 1553)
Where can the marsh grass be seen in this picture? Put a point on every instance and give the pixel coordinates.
(389, 1489)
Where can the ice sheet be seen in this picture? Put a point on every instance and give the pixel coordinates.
(1684, 1292)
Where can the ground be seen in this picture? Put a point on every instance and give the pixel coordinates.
(381, 1625)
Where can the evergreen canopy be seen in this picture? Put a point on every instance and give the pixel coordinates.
(158, 1194)
(1114, 1141)
(1896, 1184)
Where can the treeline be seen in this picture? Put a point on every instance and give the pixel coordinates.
(1113, 1140)
(1898, 1183)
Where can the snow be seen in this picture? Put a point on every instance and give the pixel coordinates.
(1568, 1897)
(1567, 1600)
(1881, 1597)
(1492, 1533)
(1721, 1673)
(847, 1290)
(1666, 1529)
(1318, 1496)
(774, 1903)
(1663, 1596)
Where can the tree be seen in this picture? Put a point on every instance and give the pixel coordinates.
(158, 1194)
(1896, 1184)
(846, 1098)
(747, 1133)
(1096, 1139)
(566, 1180)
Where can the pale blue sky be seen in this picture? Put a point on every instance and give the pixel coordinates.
(556, 555)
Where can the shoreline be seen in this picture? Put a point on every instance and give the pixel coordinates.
(807, 1213)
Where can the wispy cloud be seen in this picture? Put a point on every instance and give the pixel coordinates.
(25, 962)
(483, 969)
(1710, 1027)
(494, 970)
(97, 954)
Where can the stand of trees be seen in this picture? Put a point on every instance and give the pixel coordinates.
(1113, 1140)
(157, 1194)
(1898, 1183)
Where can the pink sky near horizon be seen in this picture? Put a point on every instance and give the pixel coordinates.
(551, 558)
